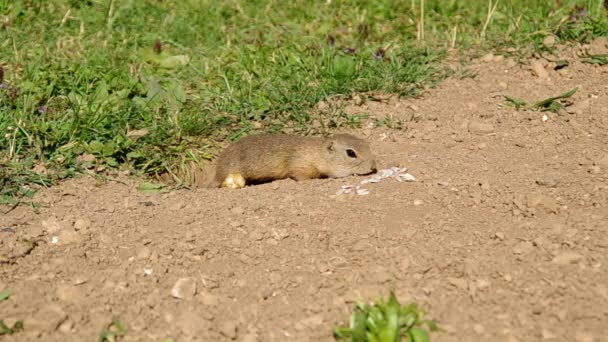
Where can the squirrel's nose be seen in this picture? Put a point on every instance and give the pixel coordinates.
(373, 167)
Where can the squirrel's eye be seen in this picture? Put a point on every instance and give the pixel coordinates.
(351, 153)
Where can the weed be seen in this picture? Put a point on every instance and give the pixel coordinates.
(5, 329)
(386, 322)
(114, 330)
(550, 104)
(599, 59)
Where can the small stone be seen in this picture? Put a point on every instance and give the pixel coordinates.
(52, 225)
(479, 329)
(523, 248)
(538, 69)
(184, 288)
(567, 257)
(69, 293)
(549, 41)
(539, 201)
(460, 283)
(46, 319)
(417, 202)
(499, 235)
(68, 236)
(82, 223)
(229, 329)
(480, 127)
(67, 326)
(502, 85)
(487, 58)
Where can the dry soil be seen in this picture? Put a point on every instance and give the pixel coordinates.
(503, 237)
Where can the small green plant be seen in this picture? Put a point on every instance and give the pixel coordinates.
(550, 104)
(114, 330)
(5, 329)
(386, 322)
(600, 59)
(4, 295)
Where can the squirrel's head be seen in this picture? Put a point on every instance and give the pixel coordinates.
(349, 155)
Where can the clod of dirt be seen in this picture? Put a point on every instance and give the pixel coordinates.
(543, 202)
(47, 319)
(538, 69)
(184, 288)
(480, 127)
(69, 293)
(565, 258)
(229, 329)
(52, 225)
(68, 236)
(143, 253)
(82, 223)
(523, 248)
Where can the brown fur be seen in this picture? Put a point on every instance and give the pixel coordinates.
(267, 157)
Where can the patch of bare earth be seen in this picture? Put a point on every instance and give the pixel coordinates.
(503, 237)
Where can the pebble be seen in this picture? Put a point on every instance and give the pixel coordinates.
(499, 235)
(565, 258)
(523, 248)
(538, 69)
(487, 58)
(184, 288)
(46, 319)
(229, 329)
(52, 225)
(191, 323)
(549, 41)
(82, 223)
(539, 201)
(480, 127)
(68, 236)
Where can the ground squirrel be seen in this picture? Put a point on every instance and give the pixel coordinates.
(267, 157)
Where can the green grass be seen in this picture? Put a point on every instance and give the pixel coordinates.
(154, 87)
(550, 104)
(386, 322)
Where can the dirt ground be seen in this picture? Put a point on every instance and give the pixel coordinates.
(502, 237)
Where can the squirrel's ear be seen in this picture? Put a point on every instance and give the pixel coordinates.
(330, 145)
